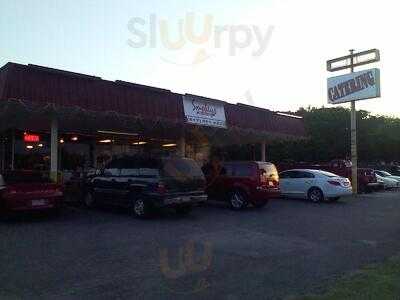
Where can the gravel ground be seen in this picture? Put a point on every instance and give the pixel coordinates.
(290, 248)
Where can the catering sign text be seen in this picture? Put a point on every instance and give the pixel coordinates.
(354, 86)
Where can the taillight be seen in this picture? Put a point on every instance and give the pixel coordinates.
(335, 183)
(58, 192)
(161, 189)
(261, 174)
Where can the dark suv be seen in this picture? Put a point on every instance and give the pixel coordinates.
(143, 184)
(244, 183)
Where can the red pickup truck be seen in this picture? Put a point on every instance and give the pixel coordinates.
(367, 181)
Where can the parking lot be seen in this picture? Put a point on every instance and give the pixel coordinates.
(289, 248)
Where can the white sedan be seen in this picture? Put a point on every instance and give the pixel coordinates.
(388, 182)
(315, 185)
(385, 174)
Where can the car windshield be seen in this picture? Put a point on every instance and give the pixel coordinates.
(25, 177)
(384, 173)
(181, 168)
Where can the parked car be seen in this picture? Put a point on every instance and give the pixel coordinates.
(387, 175)
(28, 191)
(381, 183)
(366, 177)
(388, 183)
(244, 183)
(367, 181)
(143, 184)
(314, 185)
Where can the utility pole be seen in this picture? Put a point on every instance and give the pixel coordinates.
(354, 156)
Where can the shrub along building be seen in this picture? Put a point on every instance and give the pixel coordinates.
(57, 120)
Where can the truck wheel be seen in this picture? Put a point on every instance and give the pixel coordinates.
(183, 210)
(238, 200)
(141, 208)
(315, 195)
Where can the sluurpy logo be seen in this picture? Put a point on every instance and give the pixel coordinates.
(149, 33)
(204, 109)
(187, 276)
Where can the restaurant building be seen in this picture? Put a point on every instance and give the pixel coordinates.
(58, 120)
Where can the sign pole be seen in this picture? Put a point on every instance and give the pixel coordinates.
(354, 156)
(351, 88)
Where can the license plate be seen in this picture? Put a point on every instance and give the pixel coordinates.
(38, 202)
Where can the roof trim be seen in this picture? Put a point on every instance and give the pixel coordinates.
(141, 86)
(62, 72)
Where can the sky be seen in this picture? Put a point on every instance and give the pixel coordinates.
(267, 53)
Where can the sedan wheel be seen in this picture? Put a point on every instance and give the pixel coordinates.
(238, 200)
(315, 195)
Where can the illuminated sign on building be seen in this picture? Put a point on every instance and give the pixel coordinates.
(31, 138)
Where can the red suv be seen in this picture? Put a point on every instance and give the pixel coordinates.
(244, 183)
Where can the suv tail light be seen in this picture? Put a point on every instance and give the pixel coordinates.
(58, 192)
(262, 175)
(161, 189)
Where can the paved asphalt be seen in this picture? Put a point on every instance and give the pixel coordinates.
(287, 249)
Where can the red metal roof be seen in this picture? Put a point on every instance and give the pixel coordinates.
(45, 85)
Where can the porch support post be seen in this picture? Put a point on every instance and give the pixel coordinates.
(263, 151)
(54, 150)
(182, 145)
(13, 149)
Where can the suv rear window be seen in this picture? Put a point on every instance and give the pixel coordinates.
(239, 169)
(269, 171)
(181, 168)
(244, 170)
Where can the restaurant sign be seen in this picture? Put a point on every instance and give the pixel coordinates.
(354, 86)
(204, 111)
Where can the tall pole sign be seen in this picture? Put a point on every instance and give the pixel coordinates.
(353, 128)
(351, 88)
